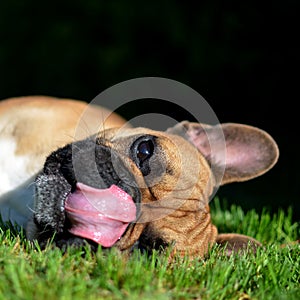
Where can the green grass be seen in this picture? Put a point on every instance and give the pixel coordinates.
(272, 273)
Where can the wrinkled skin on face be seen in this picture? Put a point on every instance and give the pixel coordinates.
(138, 187)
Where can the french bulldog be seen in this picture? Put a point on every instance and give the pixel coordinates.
(135, 187)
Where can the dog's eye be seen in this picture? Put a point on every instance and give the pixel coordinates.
(144, 150)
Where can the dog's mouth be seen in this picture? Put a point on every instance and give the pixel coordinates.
(100, 215)
(86, 190)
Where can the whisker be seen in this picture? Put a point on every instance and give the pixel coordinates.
(103, 129)
(84, 127)
(30, 184)
(31, 209)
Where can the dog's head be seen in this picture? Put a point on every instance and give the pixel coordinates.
(127, 185)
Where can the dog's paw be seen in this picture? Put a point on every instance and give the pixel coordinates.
(234, 243)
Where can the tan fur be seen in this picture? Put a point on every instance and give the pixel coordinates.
(27, 119)
(177, 208)
(182, 218)
(188, 224)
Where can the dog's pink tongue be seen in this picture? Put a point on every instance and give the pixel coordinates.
(101, 215)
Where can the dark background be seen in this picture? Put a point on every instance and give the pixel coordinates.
(241, 56)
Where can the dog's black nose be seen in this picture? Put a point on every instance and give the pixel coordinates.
(83, 161)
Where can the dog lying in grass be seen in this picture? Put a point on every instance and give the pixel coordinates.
(117, 186)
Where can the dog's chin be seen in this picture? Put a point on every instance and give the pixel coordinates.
(99, 215)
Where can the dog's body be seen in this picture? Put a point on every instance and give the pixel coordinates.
(32, 127)
(127, 186)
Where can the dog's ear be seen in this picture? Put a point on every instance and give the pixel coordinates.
(235, 243)
(236, 152)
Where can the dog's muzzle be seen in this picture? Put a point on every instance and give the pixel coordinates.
(86, 190)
